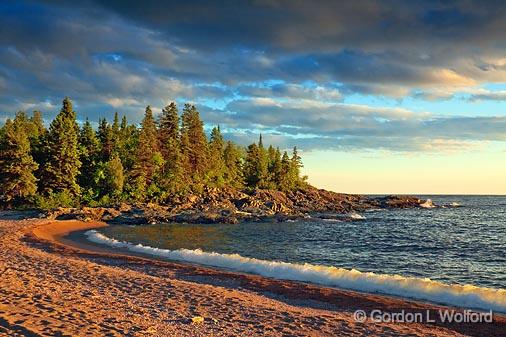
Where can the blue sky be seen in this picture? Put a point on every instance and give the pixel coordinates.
(380, 96)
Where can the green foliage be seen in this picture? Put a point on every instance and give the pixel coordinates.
(54, 200)
(17, 166)
(90, 155)
(122, 162)
(193, 144)
(216, 160)
(114, 178)
(256, 166)
(62, 163)
(233, 160)
(145, 165)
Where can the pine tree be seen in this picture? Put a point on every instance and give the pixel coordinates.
(274, 168)
(296, 165)
(193, 143)
(38, 123)
(233, 159)
(89, 148)
(115, 124)
(255, 166)
(216, 161)
(106, 136)
(17, 166)
(173, 176)
(286, 182)
(62, 166)
(129, 136)
(168, 130)
(148, 159)
(114, 177)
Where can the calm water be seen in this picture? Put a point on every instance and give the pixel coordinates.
(464, 245)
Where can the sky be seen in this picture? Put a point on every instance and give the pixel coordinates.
(379, 96)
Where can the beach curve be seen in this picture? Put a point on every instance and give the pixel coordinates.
(51, 283)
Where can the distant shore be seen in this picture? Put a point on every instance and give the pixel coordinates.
(55, 285)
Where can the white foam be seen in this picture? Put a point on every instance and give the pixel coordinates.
(330, 220)
(357, 216)
(466, 296)
(428, 204)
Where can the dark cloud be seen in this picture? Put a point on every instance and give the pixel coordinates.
(281, 66)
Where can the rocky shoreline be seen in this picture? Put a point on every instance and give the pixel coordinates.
(233, 206)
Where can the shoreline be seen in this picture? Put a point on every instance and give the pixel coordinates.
(51, 237)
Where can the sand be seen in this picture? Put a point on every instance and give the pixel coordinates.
(51, 285)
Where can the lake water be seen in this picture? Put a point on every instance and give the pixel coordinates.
(451, 246)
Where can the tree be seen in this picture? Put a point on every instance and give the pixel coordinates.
(193, 143)
(38, 128)
(286, 182)
(148, 159)
(233, 160)
(256, 166)
(62, 165)
(89, 149)
(17, 166)
(274, 167)
(107, 142)
(216, 161)
(173, 176)
(168, 130)
(114, 178)
(129, 136)
(296, 165)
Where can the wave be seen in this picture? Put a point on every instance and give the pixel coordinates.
(356, 216)
(330, 220)
(428, 204)
(467, 296)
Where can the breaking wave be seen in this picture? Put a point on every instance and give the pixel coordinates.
(467, 296)
(356, 216)
(428, 204)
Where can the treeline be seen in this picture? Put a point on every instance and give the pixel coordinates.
(67, 164)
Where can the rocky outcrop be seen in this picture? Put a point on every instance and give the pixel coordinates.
(230, 205)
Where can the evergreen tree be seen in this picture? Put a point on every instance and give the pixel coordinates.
(274, 168)
(286, 182)
(106, 136)
(62, 165)
(17, 166)
(296, 162)
(173, 176)
(255, 166)
(169, 130)
(233, 159)
(114, 177)
(115, 125)
(216, 158)
(129, 136)
(89, 148)
(148, 159)
(193, 143)
(38, 123)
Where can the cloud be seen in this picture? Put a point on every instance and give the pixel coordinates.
(314, 124)
(283, 67)
(488, 96)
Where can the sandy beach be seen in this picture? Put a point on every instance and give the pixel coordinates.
(51, 285)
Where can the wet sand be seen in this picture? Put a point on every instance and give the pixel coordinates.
(55, 285)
